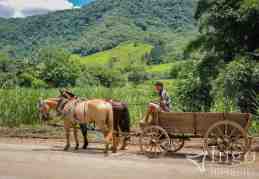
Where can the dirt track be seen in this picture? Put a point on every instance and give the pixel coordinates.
(41, 159)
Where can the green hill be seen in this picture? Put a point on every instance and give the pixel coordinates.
(99, 26)
(160, 69)
(123, 53)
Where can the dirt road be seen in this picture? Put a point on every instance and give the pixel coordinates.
(20, 159)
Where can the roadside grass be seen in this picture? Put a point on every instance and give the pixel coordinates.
(19, 106)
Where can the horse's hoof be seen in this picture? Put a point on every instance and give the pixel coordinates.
(114, 150)
(77, 147)
(66, 148)
(106, 153)
(85, 146)
(123, 148)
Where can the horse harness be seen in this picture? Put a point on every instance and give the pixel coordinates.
(62, 104)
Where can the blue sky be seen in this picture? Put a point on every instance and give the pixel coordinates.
(24, 8)
(80, 2)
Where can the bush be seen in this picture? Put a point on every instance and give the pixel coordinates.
(175, 70)
(238, 82)
(87, 79)
(182, 69)
(57, 69)
(102, 75)
(194, 95)
(138, 77)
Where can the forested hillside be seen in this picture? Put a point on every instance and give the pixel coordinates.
(101, 25)
(206, 53)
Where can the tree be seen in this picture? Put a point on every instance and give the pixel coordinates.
(225, 26)
(239, 83)
(228, 31)
(56, 68)
(8, 71)
(4, 62)
(157, 53)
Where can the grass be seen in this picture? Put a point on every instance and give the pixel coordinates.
(159, 69)
(19, 106)
(123, 52)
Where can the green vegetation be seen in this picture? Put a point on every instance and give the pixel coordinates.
(19, 106)
(98, 26)
(162, 68)
(121, 54)
(118, 48)
(227, 71)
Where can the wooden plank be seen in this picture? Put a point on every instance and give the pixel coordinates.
(205, 120)
(198, 123)
(177, 122)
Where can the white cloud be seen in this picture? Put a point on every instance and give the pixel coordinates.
(21, 8)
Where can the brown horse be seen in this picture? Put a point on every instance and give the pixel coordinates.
(121, 121)
(82, 112)
(47, 106)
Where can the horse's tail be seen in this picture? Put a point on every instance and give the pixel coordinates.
(109, 119)
(124, 122)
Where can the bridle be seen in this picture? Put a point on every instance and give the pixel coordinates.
(43, 115)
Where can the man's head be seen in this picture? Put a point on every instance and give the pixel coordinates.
(159, 86)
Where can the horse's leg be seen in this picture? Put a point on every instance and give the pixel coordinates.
(124, 143)
(110, 134)
(83, 128)
(76, 137)
(85, 138)
(108, 140)
(115, 140)
(67, 132)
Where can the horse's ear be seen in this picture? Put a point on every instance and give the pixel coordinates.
(61, 91)
(40, 102)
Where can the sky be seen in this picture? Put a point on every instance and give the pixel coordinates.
(24, 8)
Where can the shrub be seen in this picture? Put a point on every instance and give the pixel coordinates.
(57, 69)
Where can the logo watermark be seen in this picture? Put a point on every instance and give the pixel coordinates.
(228, 163)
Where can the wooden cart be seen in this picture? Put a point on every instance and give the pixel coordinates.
(223, 133)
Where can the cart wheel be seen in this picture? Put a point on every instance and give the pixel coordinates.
(154, 141)
(226, 141)
(176, 144)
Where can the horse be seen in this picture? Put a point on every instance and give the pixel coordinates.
(121, 118)
(50, 104)
(82, 112)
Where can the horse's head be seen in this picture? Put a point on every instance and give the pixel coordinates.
(45, 106)
(43, 110)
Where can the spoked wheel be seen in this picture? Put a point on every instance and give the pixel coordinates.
(176, 144)
(154, 141)
(226, 141)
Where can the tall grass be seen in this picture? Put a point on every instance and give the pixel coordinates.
(19, 106)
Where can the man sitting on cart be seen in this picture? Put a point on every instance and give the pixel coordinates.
(164, 99)
(163, 104)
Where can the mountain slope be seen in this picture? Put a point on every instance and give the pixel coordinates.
(122, 53)
(100, 25)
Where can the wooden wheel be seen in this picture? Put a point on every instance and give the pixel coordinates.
(154, 141)
(176, 144)
(226, 141)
